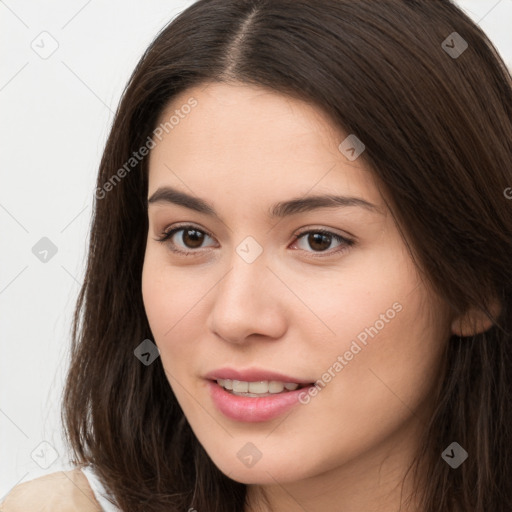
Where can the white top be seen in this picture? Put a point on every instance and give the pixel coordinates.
(99, 491)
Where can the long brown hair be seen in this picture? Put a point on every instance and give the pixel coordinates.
(438, 135)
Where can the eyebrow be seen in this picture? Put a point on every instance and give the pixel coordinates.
(278, 210)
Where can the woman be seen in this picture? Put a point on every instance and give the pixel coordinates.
(299, 285)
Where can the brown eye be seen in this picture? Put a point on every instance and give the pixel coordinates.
(321, 240)
(191, 238)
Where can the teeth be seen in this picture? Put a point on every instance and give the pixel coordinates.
(261, 387)
(258, 387)
(240, 386)
(275, 386)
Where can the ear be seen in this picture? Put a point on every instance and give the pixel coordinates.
(474, 320)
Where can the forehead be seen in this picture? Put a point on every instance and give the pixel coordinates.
(248, 118)
(241, 138)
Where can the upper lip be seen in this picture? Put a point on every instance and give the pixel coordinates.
(252, 375)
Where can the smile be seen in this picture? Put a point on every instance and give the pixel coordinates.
(258, 388)
(254, 401)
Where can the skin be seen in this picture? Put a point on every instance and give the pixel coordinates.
(242, 149)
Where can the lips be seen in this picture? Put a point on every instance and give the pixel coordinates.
(254, 407)
(253, 375)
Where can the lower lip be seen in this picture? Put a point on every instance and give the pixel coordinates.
(253, 409)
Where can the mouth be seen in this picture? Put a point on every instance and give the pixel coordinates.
(255, 401)
(258, 389)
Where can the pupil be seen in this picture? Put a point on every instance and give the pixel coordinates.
(316, 239)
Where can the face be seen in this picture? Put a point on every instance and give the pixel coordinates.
(258, 283)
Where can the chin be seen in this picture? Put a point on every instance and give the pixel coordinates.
(263, 472)
(261, 476)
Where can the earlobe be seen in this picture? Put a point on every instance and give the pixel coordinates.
(475, 321)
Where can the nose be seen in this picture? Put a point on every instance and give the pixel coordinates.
(249, 300)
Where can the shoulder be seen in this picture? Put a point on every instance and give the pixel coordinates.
(62, 491)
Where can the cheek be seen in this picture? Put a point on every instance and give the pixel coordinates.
(153, 293)
(172, 307)
(371, 289)
(389, 334)
(164, 292)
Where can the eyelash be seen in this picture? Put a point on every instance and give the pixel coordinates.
(347, 243)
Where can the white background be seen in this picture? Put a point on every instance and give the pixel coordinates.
(56, 114)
